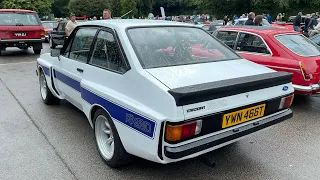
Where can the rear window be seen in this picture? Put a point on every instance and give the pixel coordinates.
(172, 46)
(50, 25)
(19, 19)
(299, 45)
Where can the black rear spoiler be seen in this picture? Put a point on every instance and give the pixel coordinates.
(219, 89)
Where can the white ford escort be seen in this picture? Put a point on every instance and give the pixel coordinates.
(162, 91)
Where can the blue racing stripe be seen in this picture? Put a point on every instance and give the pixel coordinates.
(74, 84)
(46, 70)
(126, 117)
(121, 114)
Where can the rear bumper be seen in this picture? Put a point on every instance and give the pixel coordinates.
(12, 41)
(218, 140)
(311, 88)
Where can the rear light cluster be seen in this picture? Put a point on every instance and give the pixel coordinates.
(305, 75)
(183, 131)
(42, 33)
(286, 102)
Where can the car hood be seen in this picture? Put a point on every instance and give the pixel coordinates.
(186, 75)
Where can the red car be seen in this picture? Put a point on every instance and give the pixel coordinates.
(48, 28)
(21, 29)
(279, 49)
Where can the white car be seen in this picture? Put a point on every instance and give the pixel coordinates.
(242, 21)
(150, 91)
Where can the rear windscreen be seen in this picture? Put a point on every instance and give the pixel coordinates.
(299, 45)
(19, 19)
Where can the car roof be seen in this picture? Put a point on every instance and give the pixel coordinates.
(49, 21)
(259, 29)
(127, 23)
(17, 10)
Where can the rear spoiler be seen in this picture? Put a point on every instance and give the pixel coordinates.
(219, 89)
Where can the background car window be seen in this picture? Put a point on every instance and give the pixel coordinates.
(107, 53)
(13, 19)
(251, 43)
(81, 44)
(172, 46)
(227, 37)
(300, 45)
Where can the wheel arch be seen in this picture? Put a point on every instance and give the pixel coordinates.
(94, 109)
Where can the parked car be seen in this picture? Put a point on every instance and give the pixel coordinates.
(279, 49)
(153, 98)
(289, 24)
(21, 29)
(58, 36)
(242, 21)
(48, 28)
(315, 39)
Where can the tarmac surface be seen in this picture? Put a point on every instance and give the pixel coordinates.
(57, 142)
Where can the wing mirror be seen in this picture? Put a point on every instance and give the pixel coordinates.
(55, 52)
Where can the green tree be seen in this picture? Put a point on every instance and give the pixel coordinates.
(60, 8)
(41, 6)
(88, 7)
(128, 5)
(116, 8)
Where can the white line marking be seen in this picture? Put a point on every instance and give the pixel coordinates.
(27, 62)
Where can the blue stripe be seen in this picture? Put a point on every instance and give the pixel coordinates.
(128, 118)
(67, 80)
(46, 70)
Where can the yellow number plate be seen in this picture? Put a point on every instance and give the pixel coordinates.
(242, 116)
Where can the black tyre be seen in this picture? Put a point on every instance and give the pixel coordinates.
(37, 51)
(46, 95)
(52, 44)
(108, 141)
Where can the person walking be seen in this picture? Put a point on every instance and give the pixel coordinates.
(71, 25)
(297, 22)
(316, 29)
(251, 16)
(258, 20)
(269, 18)
(225, 20)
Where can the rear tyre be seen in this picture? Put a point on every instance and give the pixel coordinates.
(108, 141)
(46, 95)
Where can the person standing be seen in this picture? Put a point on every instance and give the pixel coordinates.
(251, 16)
(316, 29)
(225, 20)
(71, 25)
(258, 20)
(297, 22)
(306, 23)
(269, 18)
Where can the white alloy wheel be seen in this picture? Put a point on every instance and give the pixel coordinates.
(104, 137)
(43, 86)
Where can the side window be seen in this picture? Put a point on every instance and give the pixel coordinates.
(107, 53)
(81, 44)
(60, 27)
(251, 43)
(227, 37)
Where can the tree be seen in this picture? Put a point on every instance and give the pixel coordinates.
(41, 6)
(60, 8)
(128, 5)
(88, 7)
(116, 8)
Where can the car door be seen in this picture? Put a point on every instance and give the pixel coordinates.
(252, 47)
(71, 66)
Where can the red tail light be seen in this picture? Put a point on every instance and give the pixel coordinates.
(305, 75)
(183, 131)
(286, 102)
(42, 33)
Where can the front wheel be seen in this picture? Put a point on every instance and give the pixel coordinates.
(108, 141)
(46, 95)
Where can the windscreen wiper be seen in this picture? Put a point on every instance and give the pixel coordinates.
(19, 24)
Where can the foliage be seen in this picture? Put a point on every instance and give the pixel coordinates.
(128, 5)
(61, 8)
(41, 6)
(116, 8)
(88, 7)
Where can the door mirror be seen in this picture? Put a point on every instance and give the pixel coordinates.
(55, 52)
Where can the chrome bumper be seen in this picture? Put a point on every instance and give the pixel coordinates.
(310, 88)
(226, 136)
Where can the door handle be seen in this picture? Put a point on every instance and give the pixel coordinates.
(80, 70)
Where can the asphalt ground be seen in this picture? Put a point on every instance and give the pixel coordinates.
(57, 142)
